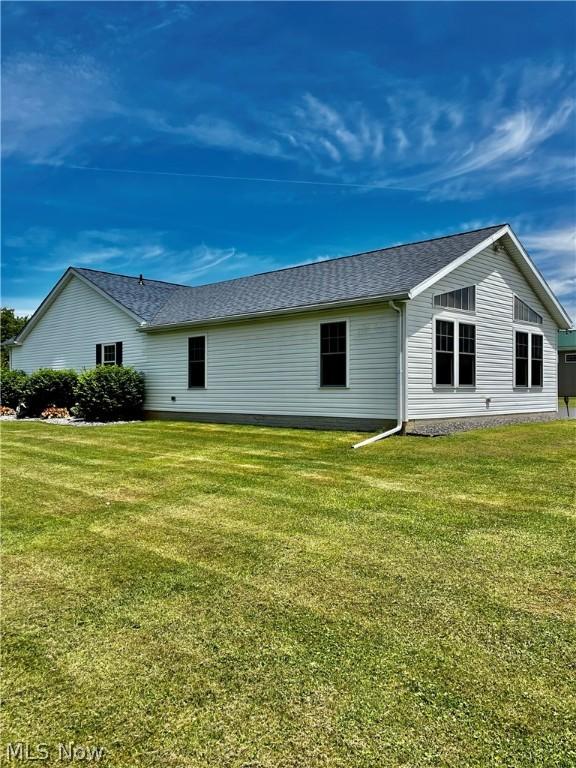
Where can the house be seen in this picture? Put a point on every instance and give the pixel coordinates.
(567, 363)
(457, 326)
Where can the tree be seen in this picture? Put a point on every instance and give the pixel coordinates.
(10, 325)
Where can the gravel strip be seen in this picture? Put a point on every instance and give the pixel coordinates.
(448, 427)
(71, 422)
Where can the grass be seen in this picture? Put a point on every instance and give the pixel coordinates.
(216, 596)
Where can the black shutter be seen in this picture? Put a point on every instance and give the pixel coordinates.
(98, 354)
(118, 353)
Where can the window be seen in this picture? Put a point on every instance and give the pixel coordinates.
(455, 366)
(444, 353)
(333, 363)
(521, 379)
(537, 360)
(109, 354)
(197, 362)
(467, 355)
(462, 298)
(528, 359)
(570, 357)
(524, 313)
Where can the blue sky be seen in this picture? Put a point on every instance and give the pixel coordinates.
(412, 120)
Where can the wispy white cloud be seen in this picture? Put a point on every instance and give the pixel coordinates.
(554, 251)
(512, 127)
(47, 102)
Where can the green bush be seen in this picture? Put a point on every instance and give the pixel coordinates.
(12, 387)
(46, 387)
(110, 393)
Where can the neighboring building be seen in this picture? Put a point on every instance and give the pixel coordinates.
(567, 363)
(458, 326)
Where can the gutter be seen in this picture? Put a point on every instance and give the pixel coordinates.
(400, 419)
(148, 328)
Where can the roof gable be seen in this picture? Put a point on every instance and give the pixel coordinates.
(385, 273)
(398, 272)
(144, 299)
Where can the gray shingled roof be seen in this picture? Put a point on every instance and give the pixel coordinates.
(387, 272)
(144, 300)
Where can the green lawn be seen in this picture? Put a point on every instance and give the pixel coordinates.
(217, 596)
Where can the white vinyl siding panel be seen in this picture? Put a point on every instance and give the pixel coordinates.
(272, 367)
(67, 334)
(497, 280)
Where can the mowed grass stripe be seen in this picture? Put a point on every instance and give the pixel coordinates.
(202, 595)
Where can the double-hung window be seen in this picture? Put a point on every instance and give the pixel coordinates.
(197, 362)
(455, 354)
(528, 359)
(333, 354)
(109, 354)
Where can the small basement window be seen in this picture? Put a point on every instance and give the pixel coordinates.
(333, 354)
(197, 362)
(463, 299)
(570, 357)
(524, 313)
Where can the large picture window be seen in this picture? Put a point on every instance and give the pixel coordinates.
(455, 363)
(333, 354)
(528, 359)
(197, 362)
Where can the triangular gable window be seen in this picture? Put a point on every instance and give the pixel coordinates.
(524, 313)
(462, 298)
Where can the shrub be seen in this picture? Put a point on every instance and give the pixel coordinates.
(12, 387)
(5, 411)
(46, 387)
(55, 413)
(110, 393)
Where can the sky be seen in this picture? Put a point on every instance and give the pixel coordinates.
(195, 142)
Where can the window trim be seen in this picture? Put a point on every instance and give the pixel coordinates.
(529, 332)
(468, 312)
(332, 387)
(571, 355)
(197, 336)
(456, 323)
(107, 344)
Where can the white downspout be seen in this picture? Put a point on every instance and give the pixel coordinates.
(400, 383)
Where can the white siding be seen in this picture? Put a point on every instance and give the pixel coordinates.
(67, 334)
(497, 279)
(272, 367)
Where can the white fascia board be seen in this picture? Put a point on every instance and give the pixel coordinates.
(425, 284)
(53, 295)
(553, 305)
(272, 313)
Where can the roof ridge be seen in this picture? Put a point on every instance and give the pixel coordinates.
(348, 256)
(130, 277)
